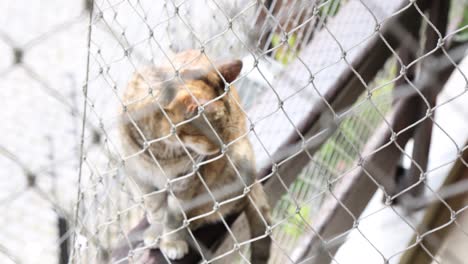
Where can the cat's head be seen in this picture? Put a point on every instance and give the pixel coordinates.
(197, 90)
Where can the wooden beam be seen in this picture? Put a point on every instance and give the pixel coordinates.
(437, 216)
(438, 15)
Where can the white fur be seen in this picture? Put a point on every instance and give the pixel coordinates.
(174, 249)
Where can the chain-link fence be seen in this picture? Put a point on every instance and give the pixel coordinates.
(357, 131)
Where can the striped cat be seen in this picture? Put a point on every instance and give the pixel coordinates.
(203, 180)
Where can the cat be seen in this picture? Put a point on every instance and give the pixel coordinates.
(206, 156)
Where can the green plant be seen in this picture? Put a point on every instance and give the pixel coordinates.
(284, 53)
(296, 225)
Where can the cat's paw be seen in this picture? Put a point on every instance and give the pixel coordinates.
(174, 249)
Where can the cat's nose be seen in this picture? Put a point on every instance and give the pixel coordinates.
(193, 106)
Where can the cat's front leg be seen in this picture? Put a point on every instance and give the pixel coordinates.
(173, 242)
(156, 208)
(165, 218)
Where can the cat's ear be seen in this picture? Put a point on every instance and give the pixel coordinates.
(230, 70)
